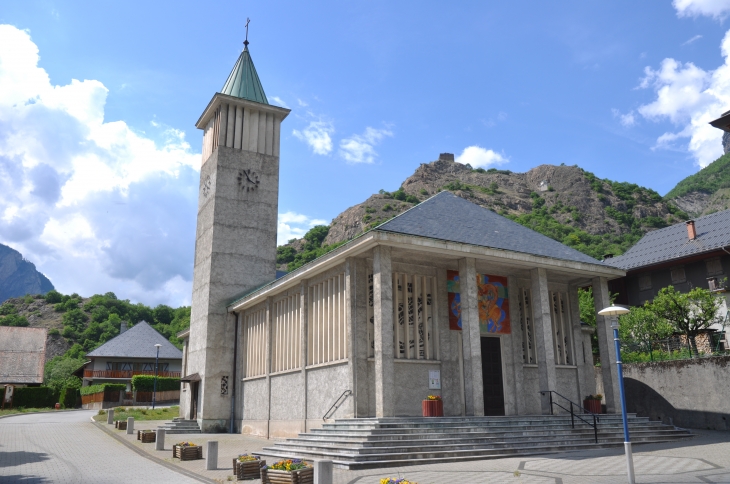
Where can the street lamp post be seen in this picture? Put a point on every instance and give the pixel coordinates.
(154, 389)
(613, 311)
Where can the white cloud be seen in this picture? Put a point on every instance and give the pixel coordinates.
(690, 98)
(478, 157)
(302, 103)
(695, 8)
(318, 136)
(359, 148)
(693, 39)
(626, 120)
(293, 225)
(279, 101)
(96, 205)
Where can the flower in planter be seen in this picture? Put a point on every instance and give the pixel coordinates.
(597, 396)
(430, 397)
(186, 444)
(288, 465)
(393, 480)
(247, 458)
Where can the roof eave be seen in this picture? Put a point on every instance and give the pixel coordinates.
(236, 101)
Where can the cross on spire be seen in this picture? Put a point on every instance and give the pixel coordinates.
(245, 42)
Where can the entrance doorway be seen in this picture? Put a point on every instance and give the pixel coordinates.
(194, 400)
(492, 376)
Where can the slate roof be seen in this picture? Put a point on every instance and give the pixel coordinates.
(448, 217)
(243, 81)
(671, 243)
(137, 342)
(22, 354)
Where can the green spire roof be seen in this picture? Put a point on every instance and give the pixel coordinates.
(243, 80)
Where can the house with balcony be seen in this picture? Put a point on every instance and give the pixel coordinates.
(132, 353)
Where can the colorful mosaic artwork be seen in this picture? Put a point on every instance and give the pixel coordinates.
(492, 300)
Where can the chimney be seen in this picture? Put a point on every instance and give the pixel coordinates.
(446, 157)
(122, 327)
(691, 231)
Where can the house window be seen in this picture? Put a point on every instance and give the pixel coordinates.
(562, 334)
(644, 282)
(528, 332)
(714, 266)
(678, 276)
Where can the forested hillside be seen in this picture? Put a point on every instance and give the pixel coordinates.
(705, 192)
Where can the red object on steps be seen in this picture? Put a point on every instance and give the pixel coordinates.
(433, 408)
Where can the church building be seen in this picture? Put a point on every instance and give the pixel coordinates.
(448, 298)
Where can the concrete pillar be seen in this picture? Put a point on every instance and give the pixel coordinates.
(160, 439)
(542, 321)
(269, 343)
(304, 342)
(211, 456)
(383, 311)
(130, 425)
(584, 364)
(322, 472)
(357, 293)
(606, 349)
(110, 416)
(513, 364)
(471, 337)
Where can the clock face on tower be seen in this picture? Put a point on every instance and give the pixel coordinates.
(248, 180)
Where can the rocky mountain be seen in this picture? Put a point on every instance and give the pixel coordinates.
(706, 191)
(19, 276)
(567, 203)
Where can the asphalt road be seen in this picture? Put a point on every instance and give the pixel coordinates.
(65, 447)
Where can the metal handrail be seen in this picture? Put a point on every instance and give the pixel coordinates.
(340, 400)
(596, 418)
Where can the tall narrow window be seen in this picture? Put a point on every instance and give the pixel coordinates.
(286, 338)
(255, 343)
(528, 333)
(327, 335)
(562, 334)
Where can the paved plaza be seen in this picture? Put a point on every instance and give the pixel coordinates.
(66, 447)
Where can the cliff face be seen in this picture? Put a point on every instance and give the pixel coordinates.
(18, 276)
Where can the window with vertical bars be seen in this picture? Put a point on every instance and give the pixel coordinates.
(562, 334)
(285, 352)
(414, 321)
(529, 356)
(255, 343)
(327, 335)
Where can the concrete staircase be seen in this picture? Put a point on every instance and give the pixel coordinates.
(181, 426)
(382, 442)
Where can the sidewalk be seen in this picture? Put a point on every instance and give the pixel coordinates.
(704, 459)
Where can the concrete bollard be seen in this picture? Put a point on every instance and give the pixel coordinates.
(160, 439)
(211, 461)
(130, 425)
(110, 416)
(322, 472)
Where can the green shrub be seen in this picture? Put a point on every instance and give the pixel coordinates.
(34, 397)
(412, 199)
(145, 383)
(91, 389)
(387, 207)
(28, 299)
(69, 397)
(53, 297)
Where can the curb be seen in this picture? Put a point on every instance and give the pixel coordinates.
(154, 459)
(46, 411)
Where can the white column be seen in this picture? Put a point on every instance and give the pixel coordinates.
(383, 310)
(471, 338)
(543, 335)
(606, 347)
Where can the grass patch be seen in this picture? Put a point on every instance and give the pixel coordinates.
(23, 410)
(121, 413)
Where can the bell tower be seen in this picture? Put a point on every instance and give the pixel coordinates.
(235, 238)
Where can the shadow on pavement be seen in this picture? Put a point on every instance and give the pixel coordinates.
(18, 458)
(25, 479)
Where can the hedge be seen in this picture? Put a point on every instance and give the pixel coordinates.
(91, 389)
(69, 397)
(146, 383)
(32, 397)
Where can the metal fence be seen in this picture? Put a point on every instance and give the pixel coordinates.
(676, 347)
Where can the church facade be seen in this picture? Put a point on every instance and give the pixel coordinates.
(447, 298)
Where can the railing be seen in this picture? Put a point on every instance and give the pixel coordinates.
(573, 415)
(340, 400)
(127, 373)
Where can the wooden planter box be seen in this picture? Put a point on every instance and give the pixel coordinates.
(302, 476)
(120, 425)
(248, 469)
(187, 453)
(592, 405)
(146, 436)
(433, 408)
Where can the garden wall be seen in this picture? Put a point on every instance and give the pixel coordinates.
(689, 393)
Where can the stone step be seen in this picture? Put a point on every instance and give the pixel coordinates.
(181, 426)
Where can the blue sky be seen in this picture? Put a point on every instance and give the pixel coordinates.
(99, 156)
